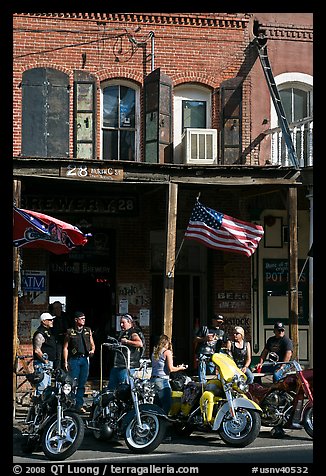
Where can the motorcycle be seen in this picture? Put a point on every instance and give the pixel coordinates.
(220, 405)
(128, 411)
(51, 422)
(287, 403)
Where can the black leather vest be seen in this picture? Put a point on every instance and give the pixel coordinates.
(49, 346)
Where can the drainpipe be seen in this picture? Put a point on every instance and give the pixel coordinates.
(151, 34)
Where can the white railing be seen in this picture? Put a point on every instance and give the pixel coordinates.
(302, 138)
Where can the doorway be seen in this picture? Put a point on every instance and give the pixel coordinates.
(87, 280)
(188, 305)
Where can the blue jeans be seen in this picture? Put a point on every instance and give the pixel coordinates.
(273, 369)
(163, 392)
(118, 375)
(40, 387)
(205, 367)
(249, 375)
(79, 369)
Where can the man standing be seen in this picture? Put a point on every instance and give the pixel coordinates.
(78, 346)
(44, 349)
(209, 340)
(130, 337)
(282, 346)
(60, 326)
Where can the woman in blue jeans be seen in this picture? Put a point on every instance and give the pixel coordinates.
(162, 366)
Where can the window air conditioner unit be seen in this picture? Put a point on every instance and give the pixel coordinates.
(199, 146)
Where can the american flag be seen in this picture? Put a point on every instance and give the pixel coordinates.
(36, 230)
(219, 231)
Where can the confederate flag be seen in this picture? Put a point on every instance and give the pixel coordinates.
(36, 230)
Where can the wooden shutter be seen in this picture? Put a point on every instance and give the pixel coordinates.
(158, 118)
(231, 109)
(84, 115)
(45, 113)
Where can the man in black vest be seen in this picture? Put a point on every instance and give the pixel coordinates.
(209, 340)
(78, 346)
(60, 326)
(44, 349)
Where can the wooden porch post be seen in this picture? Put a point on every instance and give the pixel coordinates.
(293, 269)
(16, 273)
(172, 199)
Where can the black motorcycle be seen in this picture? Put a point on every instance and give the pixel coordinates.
(51, 422)
(128, 411)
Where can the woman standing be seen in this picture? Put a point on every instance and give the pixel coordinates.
(162, 366)
(240, 351)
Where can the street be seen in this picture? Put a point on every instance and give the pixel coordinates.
(296, 448)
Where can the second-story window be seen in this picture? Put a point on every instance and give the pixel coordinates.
(296, 93)
(193, 114)
(296, 103)
(119, 122)
(45, 113)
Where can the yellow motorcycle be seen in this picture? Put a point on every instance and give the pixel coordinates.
(220, 405)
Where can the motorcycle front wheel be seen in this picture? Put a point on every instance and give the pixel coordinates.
(243, 430)
(58, 447)
(147, 438)
(308, 422)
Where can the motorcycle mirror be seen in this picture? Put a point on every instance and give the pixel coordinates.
(112, 339)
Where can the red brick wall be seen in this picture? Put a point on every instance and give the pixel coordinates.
(208, 52)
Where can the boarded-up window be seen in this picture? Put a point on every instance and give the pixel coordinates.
(84, 115)
(45, 113)
(158, 117)
(231, 108)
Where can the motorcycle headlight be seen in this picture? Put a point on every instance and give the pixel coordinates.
(66, 388)
(240, 382)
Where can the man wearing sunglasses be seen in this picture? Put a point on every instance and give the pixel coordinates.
(281, 345)
(44, 349)
(78, 346)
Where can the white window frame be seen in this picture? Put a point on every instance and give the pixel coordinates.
(290, 80)
(188, 92)
(131, 85)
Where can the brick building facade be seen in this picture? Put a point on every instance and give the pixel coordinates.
(119, 180)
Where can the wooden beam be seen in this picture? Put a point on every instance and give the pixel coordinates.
(172, 199)
(16, 273)
(293, 269)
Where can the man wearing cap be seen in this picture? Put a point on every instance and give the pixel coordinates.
(78, 346)
(44, 349)
(130, 337)
(209, 340)
(282, 346)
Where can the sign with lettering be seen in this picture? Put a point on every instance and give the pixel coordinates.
(276, 291)
(91, 172)
(34, 280)
(112, 205)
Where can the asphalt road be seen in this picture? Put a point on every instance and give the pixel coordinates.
(296, 448)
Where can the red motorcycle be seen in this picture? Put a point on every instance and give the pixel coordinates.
(287, 403)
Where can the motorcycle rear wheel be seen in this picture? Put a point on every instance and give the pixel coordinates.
(308, 422)
(242, 432)
(146, 439)
(56, 447)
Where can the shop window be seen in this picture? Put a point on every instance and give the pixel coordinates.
(276, 290)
